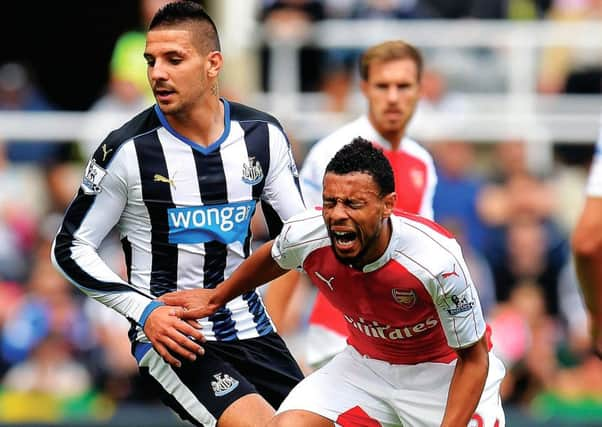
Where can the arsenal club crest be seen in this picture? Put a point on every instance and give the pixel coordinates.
(406, 299)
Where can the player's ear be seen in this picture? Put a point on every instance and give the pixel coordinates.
(215, 61)
(389, 203)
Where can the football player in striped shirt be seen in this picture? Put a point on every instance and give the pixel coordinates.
(181, 181)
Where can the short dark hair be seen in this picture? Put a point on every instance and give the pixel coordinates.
(184, 11)
(391, 50)
(360, 155)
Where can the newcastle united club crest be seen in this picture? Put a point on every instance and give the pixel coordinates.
(252, 172)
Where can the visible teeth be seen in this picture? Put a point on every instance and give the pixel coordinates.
(345, 243)
(344, 238)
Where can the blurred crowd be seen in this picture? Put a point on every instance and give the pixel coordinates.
(513, 222)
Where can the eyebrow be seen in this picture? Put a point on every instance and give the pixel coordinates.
(167, 53)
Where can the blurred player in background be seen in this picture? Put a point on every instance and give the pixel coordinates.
(181, 181)
(418, 350)
(587, 247)
(390, 81)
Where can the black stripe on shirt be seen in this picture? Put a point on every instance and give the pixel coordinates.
(157, 198)
(257, 140)
(259, 313)
(272, 220)
(127, 252)
(257, 137)
(213, 189)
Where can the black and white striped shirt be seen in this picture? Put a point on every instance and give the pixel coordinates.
(183, 212)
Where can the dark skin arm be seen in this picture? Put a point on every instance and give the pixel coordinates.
(256, 270)
(587, 250)
(467, 384)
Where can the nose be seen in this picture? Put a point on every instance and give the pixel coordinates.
(157, 72)
(338, 212)
(392, 94)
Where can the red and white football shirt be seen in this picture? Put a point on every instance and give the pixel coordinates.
(413, 167)
(415, 182)
(415, 304)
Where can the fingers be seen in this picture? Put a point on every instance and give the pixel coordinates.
(192, 322)
(173, 298)
(189, 316)
(166, 355)
(195, 313)
(184, 346)
(191, 329)
(175, 345)
(177, 311)
(195, 325)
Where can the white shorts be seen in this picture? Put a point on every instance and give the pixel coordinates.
(322, 345)
(353, 390)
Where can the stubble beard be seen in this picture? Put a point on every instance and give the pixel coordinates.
(356, 261)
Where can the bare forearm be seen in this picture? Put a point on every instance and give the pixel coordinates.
(467, 385)
(587, 250)
(589, 272)
(258, 269)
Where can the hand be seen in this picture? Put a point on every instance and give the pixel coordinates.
(196, 303)
(169, 334)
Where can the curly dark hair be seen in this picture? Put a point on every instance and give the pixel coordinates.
(360, 155)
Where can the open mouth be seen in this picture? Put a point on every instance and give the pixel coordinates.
(163, 94)
(344, 239)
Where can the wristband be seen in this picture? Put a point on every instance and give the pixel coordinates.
(148, 310)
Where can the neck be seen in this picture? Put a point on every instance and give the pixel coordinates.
(392, 137)
(203, 124)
